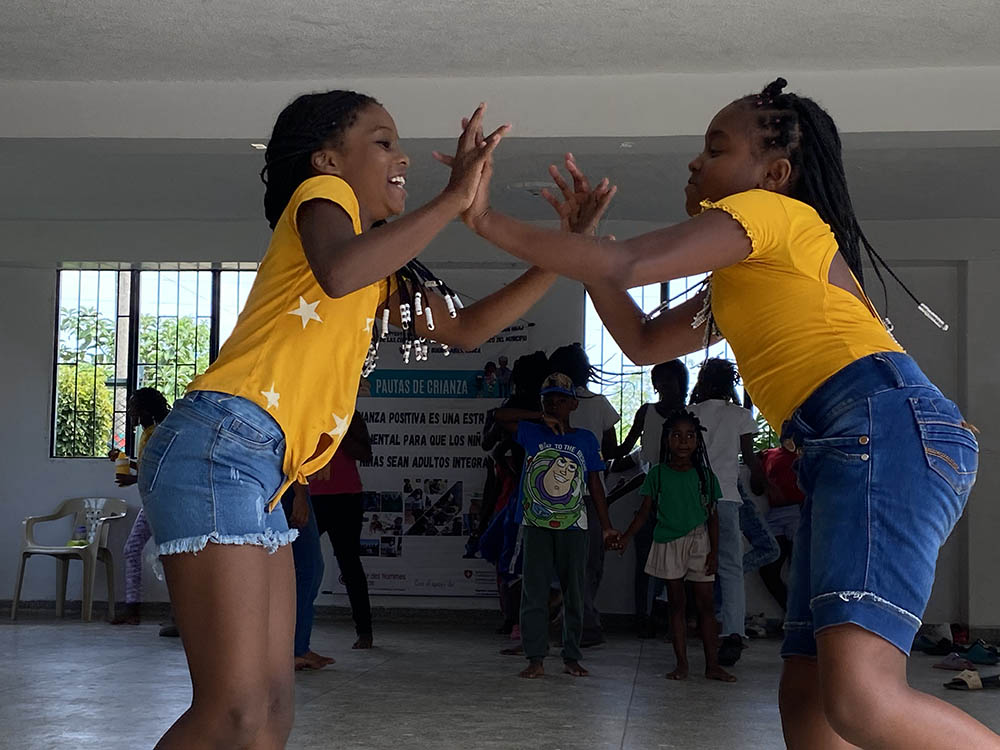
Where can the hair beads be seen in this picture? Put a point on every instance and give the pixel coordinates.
(414, 282)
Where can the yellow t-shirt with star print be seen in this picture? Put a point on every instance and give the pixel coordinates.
(789, 327)
(296, 352)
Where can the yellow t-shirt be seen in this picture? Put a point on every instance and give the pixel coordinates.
(147, 432)
(788, 326)
(296, 352)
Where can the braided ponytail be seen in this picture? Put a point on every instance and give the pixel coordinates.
(803, 132)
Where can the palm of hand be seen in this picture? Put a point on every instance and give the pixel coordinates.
(582, 206)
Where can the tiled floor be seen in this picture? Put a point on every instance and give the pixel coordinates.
(64, 684)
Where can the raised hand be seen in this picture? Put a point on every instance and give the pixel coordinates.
(472, 156)
(581, 207)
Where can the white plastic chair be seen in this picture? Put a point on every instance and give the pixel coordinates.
(92, 513)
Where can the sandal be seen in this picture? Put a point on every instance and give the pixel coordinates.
(956, 663)
(980, 653)
(971, 680)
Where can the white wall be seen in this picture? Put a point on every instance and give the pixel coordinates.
(954, 266)
(631, 105)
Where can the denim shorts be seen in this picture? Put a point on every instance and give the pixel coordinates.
(208, 473)
(886, 463)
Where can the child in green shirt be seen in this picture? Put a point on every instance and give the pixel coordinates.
(685, 540)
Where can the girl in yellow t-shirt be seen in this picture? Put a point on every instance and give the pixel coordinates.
(274, 406)
(886, 461)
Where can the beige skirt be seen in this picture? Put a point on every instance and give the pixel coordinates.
(682, 558)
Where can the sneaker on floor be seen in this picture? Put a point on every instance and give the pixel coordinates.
(730, 650)
(169, 631)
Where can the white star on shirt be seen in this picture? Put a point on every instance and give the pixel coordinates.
(272, 397)
(342, 423)
(368, 324)
(306, 311)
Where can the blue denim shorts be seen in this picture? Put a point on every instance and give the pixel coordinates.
(886, 463)
(208, 472)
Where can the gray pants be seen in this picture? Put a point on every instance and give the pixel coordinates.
(595, 572)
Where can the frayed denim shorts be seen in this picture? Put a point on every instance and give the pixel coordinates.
(886, 463)
(208, 473)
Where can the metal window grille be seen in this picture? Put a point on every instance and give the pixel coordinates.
(120, 330)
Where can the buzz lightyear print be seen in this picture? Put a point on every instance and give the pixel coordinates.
(553, 489)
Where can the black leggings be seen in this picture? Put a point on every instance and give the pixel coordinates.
(341, 516)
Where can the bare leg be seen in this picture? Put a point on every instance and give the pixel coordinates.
(222, 603)
(803, 720)
(868, 702)
(678, 627)
(281, 638)
(704, 594)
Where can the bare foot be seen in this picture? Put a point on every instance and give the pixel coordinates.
(680, 673)
(319, 661)
(575, 668)
(363, 642)
(718, 673)
(303, 664)
(517, 650)
(310, 661)
(533, 671)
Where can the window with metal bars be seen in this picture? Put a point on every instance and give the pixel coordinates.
(120, 330)
(626, 385)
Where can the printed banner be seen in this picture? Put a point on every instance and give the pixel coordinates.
(423, 488)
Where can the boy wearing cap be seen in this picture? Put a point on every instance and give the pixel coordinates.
(560, 462)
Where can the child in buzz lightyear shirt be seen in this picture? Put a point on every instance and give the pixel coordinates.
(560, 463)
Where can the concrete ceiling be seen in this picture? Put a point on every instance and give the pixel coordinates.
(893, 176)
(257, 40)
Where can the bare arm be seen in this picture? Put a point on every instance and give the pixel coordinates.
(357, 442)
(609, 443)
(712, 564)
(709, 241)
(640, 518)
(343, 262)
(508, 418)
(300, 506)
(633, 434)
(484, 318)
(596, 488)
(644, 341)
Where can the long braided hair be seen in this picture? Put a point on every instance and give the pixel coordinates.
(699, 459)
(150, 401)
(311, 122)
(803, 132)
(717, 379)
(315, 121)
(572, 360)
